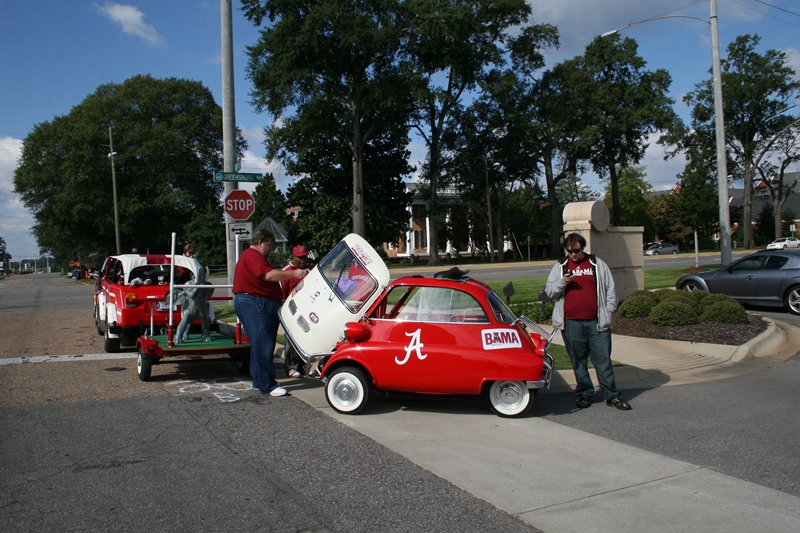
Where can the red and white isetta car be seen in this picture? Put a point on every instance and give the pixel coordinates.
(446, 335)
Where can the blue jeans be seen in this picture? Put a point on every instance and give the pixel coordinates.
(259, 316)
(584, 342)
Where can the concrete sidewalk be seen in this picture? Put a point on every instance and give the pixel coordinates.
(561, 479)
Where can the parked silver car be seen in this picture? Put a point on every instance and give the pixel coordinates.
(769, 278)
(784, 243)
(661, 248)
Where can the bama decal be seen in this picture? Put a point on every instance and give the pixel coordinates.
(495, 339)
(359, 252)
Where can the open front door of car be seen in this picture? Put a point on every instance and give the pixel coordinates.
(340, 289)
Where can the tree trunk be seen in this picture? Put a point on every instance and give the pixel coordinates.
(498, 237)
(488, 204)
(555, 208)
(747, 216)
(615, 209)
(433, 233)
(359, 222)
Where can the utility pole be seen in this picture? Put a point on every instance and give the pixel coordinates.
(228, 122)
(111, 155)
(722, 157)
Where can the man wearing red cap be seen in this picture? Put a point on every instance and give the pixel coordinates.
(297, 261)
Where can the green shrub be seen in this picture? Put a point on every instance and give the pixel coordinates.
(637, 305)
(726, 313)
(662, 294)
(533, 310)
(674, 313)
(682, 296)
(712, 299)
(698, 295)
(645, 294)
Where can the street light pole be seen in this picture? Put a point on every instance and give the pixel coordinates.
(722, 160)
(228, 123)
(111, 155)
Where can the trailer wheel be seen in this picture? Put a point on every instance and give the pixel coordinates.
(242, 363)
(143, 367)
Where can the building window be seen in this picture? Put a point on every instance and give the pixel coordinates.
(421, 239)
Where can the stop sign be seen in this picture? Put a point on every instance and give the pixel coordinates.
(239, 205)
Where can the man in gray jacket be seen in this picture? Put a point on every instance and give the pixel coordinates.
(585, 299)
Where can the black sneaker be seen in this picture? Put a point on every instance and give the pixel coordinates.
(619, 403)
(583, 402)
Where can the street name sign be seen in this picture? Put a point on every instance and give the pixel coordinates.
(238, 176)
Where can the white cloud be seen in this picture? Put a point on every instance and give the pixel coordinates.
(132, 22)
(16, 222)
(662, 175)
(793, 55)
(254, 137)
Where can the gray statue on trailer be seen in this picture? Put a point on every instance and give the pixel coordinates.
(194, 301)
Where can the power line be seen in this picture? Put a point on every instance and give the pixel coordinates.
(776, 7)
(766, 14)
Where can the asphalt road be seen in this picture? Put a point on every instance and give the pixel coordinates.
(745, 427)
(207, 455)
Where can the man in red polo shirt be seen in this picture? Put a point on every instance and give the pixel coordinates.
(585, 298)
(257, 298)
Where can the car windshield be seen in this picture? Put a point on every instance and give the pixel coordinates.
(654, 246)
(352, 283)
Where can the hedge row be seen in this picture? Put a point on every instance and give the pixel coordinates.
(679, 308)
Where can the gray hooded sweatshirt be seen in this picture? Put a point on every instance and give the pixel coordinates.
(606, 292)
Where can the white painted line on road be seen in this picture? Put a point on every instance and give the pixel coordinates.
(63, 358)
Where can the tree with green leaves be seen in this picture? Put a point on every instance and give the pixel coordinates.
(553, 105)
(5, 257)
(661, 213)
(206, 233)
(488, 156)
(330, 58)
(784, 152)
(324, 191)
(167, 137)
(697, 201)
(625, 104)
(270, 202)
(634, 193)
(758, 90)
(450, 45)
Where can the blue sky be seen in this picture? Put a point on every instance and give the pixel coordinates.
(54, 53)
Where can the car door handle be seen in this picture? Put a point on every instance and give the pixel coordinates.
(749, 277)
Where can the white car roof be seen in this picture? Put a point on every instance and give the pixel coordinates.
(131, 261)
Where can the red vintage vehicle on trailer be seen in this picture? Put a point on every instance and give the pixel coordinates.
(129, 295)
(445, 335)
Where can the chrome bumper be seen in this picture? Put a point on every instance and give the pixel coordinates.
(547, 374)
